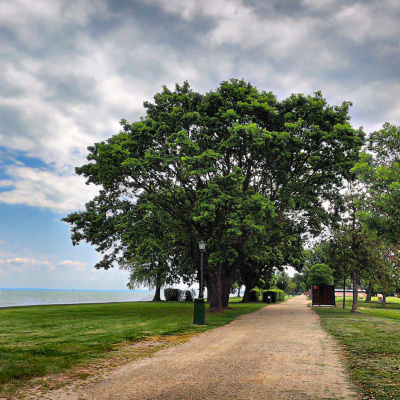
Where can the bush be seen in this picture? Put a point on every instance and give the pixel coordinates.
(275, 295)
(189, 294)
(254, 295)
(172, 294)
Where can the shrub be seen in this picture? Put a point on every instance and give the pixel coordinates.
(275, 295)
(254, 295)
(189, 294)
(172, 294)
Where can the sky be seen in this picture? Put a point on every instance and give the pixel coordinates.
(71, 70)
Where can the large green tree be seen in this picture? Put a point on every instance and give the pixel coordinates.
(379, 169)
(229, 167)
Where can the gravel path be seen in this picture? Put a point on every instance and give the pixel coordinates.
(279, 352)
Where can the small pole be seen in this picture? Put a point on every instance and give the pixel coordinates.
(199, 316)
(201, 294)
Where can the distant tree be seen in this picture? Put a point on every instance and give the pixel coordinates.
(314, 255)
(283, 281)
(379, 169)
(384, 271)
(138, 236)
(319, 274)
(351, 242)
(147, 254)
(300, 282)
(259, 269)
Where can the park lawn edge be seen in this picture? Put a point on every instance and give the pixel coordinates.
(122, 352)
(369, 345)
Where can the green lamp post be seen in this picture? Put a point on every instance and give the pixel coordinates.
(199, 316)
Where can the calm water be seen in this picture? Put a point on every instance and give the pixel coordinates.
(27, 297)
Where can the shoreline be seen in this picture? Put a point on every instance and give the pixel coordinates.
(75, 304)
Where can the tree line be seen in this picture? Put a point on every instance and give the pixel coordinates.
(252, 176)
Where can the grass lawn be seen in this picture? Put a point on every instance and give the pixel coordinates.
(371, 340)
(41, 340)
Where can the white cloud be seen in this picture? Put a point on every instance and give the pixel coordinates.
(319, 4)
(65, 100)
(46, 189)
(69, 262)
(6, 183)
(239, 25)
(33, 20)
(360, 22)
(24, 261)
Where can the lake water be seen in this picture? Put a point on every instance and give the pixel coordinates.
(29, 297)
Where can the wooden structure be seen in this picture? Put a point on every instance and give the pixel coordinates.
(323, 295)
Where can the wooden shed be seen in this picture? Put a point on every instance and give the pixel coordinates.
(323, 295)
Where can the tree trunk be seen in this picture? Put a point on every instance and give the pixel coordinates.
(369, 293)
(209, 293)
(157, 294)
(355, 291)
(344, 293)
(238, 293)
(215, 291)
(227, 282)
(383, 299)
(246, 294)
(225, 292)
(220, 281)
(208, 287)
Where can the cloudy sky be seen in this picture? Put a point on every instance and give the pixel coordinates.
(71, 70)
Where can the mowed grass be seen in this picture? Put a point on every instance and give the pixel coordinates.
(371, 340)
(41, 340)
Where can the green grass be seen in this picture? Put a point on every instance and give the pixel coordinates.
(371, 340)
(41, 340)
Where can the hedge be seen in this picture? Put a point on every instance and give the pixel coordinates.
(189, 295)
(275, 295)
(172, 294)
(254, 295)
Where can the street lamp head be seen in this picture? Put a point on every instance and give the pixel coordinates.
(202, 245)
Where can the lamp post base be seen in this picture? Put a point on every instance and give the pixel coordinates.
(199, 315)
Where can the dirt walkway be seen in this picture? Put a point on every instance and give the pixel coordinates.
(278, 352)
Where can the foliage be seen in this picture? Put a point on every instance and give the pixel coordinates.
(319, 274)
(232, 167)
(254, 295)
(274, 294)
(357, 250)
(283, 281)
(300, 283)
(379, 169)
(173, 294)
(43, 340)
(189, 295)
(371, 343)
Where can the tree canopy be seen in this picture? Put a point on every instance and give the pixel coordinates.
(232, 167)
(379, 169)
(320, 274)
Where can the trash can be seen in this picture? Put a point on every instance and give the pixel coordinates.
(199, 316)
